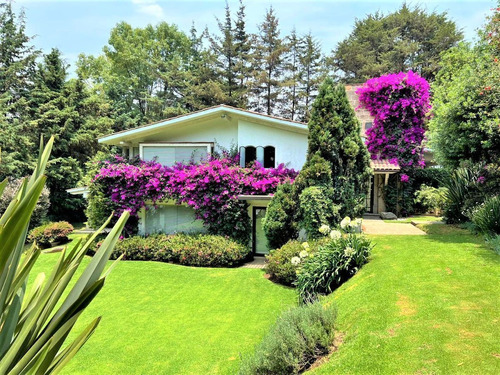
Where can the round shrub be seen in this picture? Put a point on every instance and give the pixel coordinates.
(279, 262)
(42, 207)
(486, 218)
(332, 264)
(44, 235)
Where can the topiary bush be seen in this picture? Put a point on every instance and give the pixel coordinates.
(44, 235)
(332, 264)
(486, 218)
(300, 336)
(200, 250)
(39, 214)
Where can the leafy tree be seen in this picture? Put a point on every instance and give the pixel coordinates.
(267, 65)
(408, 39)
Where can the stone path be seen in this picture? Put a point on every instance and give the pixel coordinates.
(375, 225)
(257, 262)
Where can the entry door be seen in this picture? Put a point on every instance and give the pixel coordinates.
(259, 237)
(370, 196)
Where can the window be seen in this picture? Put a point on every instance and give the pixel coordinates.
(264, 155)
(171, 219)
(368, 125)
(170, 153)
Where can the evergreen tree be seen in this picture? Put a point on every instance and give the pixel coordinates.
(334, 135)
(242, 66)
(17, 69)
(292, 72)
(267, 65)
(311, 73)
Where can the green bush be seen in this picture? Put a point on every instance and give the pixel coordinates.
(332, 264)
(317, 209)
(432, 198)
(486, 218)
(280, 224)
(460, 185)
(202, 250)
(300, 336)
(494, 242)
(44, 235)
(279, 264)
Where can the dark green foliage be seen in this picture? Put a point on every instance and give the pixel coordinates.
(280, 225)
(317, 209)
(460, 185)
(400, 198)
(332, 264)
(200, 250)
(279, 265)
(334, 134)
(408, 39)
(47, 234)
(486, 217)
(235, 224)
(299, 336)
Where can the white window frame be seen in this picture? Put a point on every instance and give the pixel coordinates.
(208, 145)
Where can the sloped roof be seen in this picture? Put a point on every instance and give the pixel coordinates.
(383, 165)
(275, 121)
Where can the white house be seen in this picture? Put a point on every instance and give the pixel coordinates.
(267, 139)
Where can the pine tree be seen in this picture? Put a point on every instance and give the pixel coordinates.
(334, 135)
(291, 84)
(267, 65)
(17, 68)
(242, 65)
(311, 75)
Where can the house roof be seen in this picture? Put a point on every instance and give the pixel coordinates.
(383, 165)
(116, 138)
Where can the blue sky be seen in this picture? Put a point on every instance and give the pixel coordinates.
(83, 26)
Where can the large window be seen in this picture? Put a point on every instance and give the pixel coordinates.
(170, 153)
(171, 219)
(266, 156)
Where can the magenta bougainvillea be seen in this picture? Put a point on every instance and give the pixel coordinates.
(210, 188)
(400, 104)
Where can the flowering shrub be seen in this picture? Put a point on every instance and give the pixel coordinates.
(210, 188)
(44, 235)
(399, 102)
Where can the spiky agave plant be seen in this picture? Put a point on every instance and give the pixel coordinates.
(35, 322)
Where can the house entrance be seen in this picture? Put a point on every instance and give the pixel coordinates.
(259, 240)
(370, 196)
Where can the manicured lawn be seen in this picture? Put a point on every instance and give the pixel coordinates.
(167, 319)
(422, 305)
(417, 219)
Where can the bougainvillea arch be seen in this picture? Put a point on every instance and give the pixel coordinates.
(210, 188)
(400, 105)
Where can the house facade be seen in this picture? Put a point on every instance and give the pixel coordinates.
(267, 139)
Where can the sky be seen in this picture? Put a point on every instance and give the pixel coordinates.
(76, 27)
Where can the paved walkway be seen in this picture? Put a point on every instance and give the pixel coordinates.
(375, 225)
(257, 262)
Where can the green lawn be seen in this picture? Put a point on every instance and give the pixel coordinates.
(167, 319)
(417, 219)
(422, 305)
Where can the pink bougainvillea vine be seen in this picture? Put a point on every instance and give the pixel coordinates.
(400, 104)
(210, 188)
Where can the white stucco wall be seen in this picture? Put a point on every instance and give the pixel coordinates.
(290, 147)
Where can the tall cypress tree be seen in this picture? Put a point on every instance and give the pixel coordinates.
(334, 135)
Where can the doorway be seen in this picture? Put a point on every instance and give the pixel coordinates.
(259, 240)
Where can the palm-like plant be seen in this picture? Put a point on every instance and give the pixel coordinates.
(35, 322)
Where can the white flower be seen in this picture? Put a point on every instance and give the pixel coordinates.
(359, 221)
(334, 234)
(305, 245)
(348, 251)
(303, 254)
(295, 261)
(324, 229)
(345, 222)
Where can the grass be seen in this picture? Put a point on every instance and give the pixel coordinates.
(422, 305)
(167, 319)
(417, 219)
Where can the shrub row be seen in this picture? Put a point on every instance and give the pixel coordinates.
(299, 336)
(44, 235)
(201, 250)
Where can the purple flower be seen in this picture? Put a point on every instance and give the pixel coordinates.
(405, 178)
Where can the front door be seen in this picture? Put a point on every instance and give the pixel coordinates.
(259, 240)
(370, 196)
